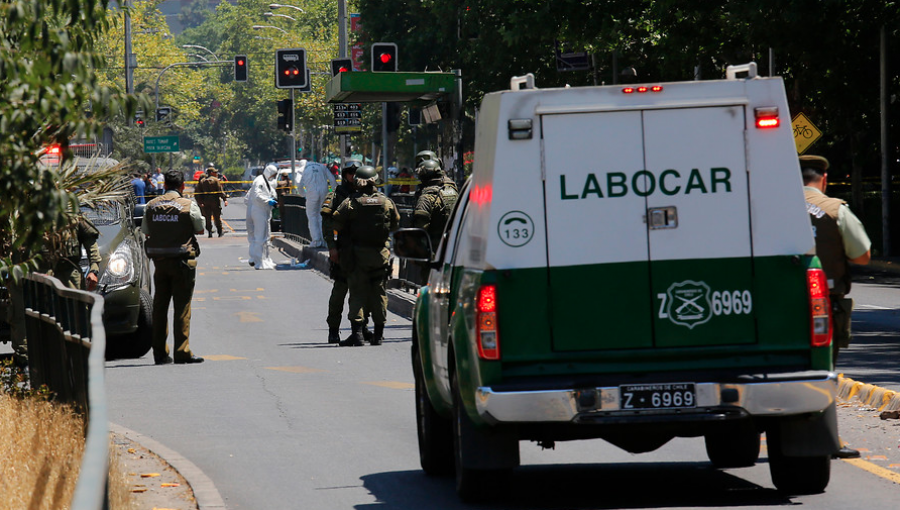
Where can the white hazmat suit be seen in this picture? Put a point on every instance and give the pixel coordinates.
(314, 185)
(260, 201)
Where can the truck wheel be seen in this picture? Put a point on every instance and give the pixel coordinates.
(733, 446)
(138, 343)
(435, 432)
(800, 475)
(474, 446)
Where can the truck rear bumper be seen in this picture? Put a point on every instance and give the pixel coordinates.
(781, 395)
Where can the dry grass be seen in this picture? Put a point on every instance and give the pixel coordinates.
(120, 497)
(40, 452)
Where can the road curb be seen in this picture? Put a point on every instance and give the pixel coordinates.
(873, 396)
(205, 493)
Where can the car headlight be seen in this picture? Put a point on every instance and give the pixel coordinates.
(119, 268)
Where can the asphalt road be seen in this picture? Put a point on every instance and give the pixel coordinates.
(278, 419)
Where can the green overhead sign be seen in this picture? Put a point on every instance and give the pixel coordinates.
(368, 87)
(161, 144)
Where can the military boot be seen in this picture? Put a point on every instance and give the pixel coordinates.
(378, 336)
(367, 335)
(355, 339)
(334, 336)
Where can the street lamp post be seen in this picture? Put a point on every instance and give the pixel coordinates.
(276, 6)
(197, 46)
(260, 27)
(271, 14)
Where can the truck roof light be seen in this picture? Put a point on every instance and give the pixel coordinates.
(628, 90)
(656, 88)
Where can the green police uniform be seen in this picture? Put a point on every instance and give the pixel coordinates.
(333, 200)
(839, 236)
(68, 268)
(210, 194)
(433, 207)
(368, 217)
(170, 223)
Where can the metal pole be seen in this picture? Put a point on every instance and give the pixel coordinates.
(885, 150)
(293, 137)
(342, 51)
(384, 142)
(129, 70)
(771, 62)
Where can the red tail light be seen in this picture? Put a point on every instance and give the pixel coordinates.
(819, 308)
(767, 117)
(486, 323)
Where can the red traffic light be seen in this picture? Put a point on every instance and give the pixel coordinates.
(385, 58)
(342, 70)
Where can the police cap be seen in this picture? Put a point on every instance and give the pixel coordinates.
(817, 164)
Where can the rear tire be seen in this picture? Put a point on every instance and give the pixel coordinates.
(138, 343)
(800, 475)
(477, 485)
(733, 446)
(435, 432)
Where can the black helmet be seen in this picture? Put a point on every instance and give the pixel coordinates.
(428, 170)
(351, 166)
(425, 156)
(365, 176)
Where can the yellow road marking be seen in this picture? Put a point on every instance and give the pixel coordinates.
(297, 370)
(258, 289)
(875, 470)
(221, 357)
(198, 299)
(394, 385)
(211, 291)
(225, 223)
(248, 316)
(232, 298)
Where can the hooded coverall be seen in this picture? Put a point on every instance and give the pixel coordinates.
(314, 185)
(260, 200)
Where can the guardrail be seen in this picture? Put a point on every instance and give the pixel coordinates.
(66, 344)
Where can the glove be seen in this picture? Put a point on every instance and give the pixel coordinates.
(273, 202)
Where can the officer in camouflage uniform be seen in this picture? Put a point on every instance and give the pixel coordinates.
(171, 223)
(367, 217)
(437, 196)
(68, 268)
(840, 239)
(208, 193)
(335, 245)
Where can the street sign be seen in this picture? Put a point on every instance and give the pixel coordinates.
(347, 118)
(290, 68)
(161, 144)
(805, 133)
(568, 60)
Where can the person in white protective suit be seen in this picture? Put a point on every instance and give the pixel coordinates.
(314, 185)
(260, 201)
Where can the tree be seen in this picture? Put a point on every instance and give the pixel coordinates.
(51, 94)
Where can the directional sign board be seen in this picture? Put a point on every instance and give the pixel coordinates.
(805, 132)
(347, 118)
(161, 144)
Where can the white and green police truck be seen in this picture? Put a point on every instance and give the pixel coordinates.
(633, 263)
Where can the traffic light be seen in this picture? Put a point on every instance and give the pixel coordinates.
(414, 116)
(285, 115)
(162, 113)
(139, 119)
(393, 117)
(341, 65)
(384, 57)
(290, 68)
(240, 68)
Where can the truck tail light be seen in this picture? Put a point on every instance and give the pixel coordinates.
(767, 118)
(819, 308)
(486, 323)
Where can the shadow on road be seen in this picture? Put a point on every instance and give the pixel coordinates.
(873, 353)
(588, 486)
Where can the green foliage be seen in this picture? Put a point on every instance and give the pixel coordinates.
(50, 95)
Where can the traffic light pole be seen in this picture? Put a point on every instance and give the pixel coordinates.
(293, 137)
(342, 50)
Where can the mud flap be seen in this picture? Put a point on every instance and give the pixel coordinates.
(806, 436)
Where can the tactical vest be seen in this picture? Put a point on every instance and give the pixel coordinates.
(84, 233)
(171, 230)
(823, 212)
(445, 196)
(372, 225)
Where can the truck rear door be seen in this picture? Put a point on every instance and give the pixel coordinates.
(648, 228)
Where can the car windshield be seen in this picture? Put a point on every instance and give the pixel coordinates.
(103, 214)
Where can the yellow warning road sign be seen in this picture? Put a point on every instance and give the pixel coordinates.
(805, 132)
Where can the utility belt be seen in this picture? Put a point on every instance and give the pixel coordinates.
(178, 252)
